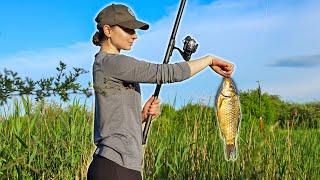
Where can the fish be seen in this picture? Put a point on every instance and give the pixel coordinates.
(228, 113)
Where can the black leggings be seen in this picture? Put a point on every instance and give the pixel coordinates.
(103, 168)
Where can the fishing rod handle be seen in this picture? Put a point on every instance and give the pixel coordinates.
(146, 130)
(165, 61)
(149, 118)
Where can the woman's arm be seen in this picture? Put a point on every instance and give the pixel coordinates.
(220, 66)
(131, 70)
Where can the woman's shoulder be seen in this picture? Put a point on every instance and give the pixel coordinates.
(123, 56)
(115, 61)
(109, 56)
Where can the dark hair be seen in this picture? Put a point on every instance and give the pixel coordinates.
(98, 37)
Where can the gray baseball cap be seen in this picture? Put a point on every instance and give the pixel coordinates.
(118, 14)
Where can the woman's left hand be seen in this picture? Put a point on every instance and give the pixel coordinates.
(222, 67)
(152, 107)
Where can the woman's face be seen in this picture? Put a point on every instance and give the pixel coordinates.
(122, 38)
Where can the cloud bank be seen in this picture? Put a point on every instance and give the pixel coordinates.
(310, 61)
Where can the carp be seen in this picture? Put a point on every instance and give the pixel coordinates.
(228, 113)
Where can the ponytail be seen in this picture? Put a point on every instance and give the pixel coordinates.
(98, 37)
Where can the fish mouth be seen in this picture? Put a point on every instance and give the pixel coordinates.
(224, 95)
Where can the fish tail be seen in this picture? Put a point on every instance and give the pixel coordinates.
(231, 152)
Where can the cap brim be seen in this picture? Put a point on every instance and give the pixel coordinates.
(134, 24)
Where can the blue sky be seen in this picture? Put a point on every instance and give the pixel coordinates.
(31, 25)
(275, 42)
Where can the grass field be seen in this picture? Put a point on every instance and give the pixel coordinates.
(51, 141)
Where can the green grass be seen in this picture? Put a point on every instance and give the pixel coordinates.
(187, 145)
(49, 141)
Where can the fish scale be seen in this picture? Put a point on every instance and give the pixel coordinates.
(229, 116)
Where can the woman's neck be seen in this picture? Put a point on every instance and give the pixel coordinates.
(109, 48)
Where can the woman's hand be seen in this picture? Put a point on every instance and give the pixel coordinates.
(152, 107)
(222, 67)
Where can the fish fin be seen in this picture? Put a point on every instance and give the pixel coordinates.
(218, 92)
(231, 152)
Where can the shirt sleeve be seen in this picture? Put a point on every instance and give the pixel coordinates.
(129, 69)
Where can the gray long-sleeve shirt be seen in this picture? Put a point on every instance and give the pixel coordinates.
(117, 116)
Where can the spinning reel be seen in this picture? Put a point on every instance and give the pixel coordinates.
(189, 46)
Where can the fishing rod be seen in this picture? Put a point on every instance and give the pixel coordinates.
(189, 47)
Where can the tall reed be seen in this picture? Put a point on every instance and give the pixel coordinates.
(45, 141)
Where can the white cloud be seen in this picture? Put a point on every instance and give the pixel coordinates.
(250, 34)
(43, 63)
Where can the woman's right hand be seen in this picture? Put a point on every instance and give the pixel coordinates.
(221, 67)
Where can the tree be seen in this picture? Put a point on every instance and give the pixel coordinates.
(62, 85)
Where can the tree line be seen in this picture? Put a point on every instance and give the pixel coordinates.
(274, 110)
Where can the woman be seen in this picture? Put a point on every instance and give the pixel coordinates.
(118, 114)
